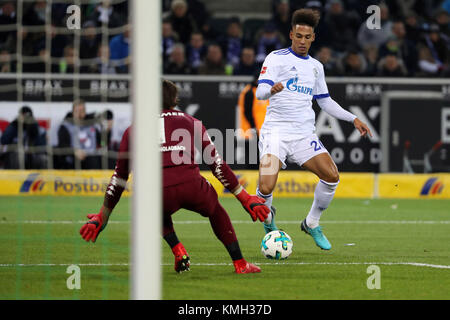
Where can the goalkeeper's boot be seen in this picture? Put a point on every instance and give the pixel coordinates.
(316, 233)
(242, 266)
(271, 226)
(182, 262)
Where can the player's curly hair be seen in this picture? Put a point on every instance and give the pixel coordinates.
(305, 17)
(170, 94)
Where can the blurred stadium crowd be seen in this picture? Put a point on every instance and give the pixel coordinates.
(84, 141)
(41, 35)
(414, 39)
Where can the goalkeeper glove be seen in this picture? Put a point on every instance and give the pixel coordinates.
(90, 230)
(254, 205)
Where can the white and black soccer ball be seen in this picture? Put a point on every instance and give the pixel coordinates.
(276, 245)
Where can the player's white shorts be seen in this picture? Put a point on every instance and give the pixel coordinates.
(297, 151)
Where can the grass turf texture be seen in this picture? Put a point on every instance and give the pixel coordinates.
(34, 254)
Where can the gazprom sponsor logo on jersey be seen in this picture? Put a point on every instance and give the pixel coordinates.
(432, 186)
(292, 85)
(32, 184)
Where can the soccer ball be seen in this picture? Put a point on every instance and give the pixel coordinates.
(276, 245)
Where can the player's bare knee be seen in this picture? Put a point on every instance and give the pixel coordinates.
(332, 177)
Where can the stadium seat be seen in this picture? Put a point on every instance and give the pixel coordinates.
(219, 25)
(251, 27)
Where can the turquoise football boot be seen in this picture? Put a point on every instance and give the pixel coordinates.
(271, 227)
(316, 233)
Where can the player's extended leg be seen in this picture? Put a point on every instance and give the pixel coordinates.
(268, 174)
(182, 260)
(170, 206)
(324, 167)
(224, 231)
(201, 197)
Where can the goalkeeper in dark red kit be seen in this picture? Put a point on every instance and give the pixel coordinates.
(183, 186)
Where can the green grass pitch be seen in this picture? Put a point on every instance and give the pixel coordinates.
(409, 240)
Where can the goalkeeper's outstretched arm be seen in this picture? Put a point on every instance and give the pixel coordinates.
(97, 222)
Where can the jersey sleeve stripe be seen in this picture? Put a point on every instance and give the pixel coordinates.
(266, 81)
(321, 96)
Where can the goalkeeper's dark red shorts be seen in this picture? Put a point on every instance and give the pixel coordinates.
(195, 195)
(199, 196)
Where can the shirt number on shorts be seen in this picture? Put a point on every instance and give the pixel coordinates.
(316, 144)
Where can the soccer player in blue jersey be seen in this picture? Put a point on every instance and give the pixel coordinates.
(291, 79)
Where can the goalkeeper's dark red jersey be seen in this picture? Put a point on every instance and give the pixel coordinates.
(180, 136)
(184, 134)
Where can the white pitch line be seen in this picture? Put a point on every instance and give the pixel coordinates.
(239, 222)
(415, 264)
(332, 222)
(54, 222)
(388, 222)
(64, 265)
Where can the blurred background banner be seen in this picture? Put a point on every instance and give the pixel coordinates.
(415, 125)
(422, 186)
(362, 96)
(92, 88)
(292, 184)
(301, 184)
(214, 100)
(56, 183)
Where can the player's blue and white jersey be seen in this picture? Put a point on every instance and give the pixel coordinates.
(303, 79)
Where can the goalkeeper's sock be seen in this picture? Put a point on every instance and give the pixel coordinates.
(171, 239)
(268, 202)
(234, 251)
(323, 194)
